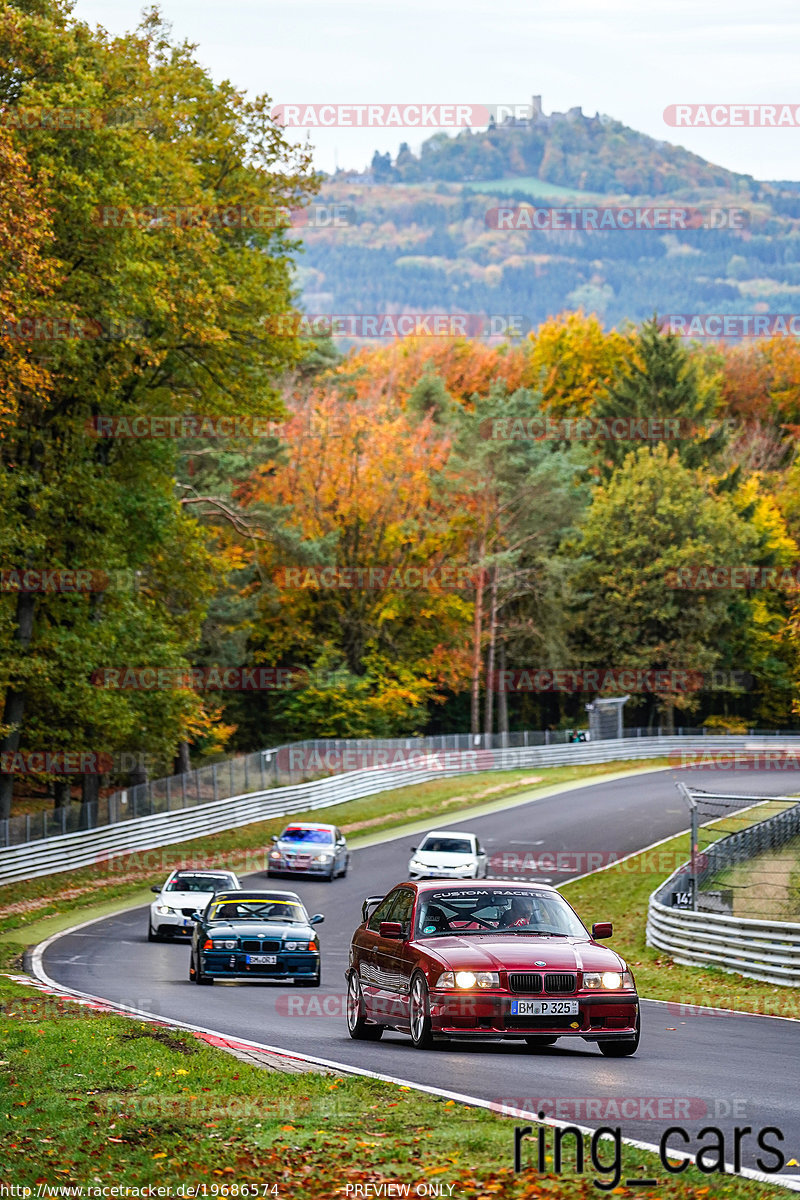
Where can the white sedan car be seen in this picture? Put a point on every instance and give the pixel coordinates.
(184, 893)
(448, 854)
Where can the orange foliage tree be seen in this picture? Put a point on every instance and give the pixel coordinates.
(358, 487)
(26, 276)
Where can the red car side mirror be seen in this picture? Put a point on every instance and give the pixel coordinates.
(391, 929)
(602, 929)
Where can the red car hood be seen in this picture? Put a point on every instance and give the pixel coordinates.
(517, 952)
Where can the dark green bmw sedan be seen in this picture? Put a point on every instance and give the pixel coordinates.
(251, 935)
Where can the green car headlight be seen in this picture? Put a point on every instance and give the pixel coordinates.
(228, 944)
(295, 945)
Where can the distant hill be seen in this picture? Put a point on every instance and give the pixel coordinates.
(427, 244)
(592, 154)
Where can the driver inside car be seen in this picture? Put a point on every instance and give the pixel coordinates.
(520, 912)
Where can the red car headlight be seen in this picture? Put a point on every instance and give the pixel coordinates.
(465, 981)
(607, 981)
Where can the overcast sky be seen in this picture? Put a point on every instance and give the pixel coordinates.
(615, 56)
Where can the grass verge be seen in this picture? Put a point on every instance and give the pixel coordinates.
(127, 1104)
(620, 894)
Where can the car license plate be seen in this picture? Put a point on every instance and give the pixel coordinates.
(544, 1008)
(188, 921)
(261, 960)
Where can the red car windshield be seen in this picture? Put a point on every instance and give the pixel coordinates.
(496, 910)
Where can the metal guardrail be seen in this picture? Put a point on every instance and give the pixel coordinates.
(765, 950)
(279, 766)
(768, 950)
(88, 847)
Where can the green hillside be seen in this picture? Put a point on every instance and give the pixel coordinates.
(592, 154)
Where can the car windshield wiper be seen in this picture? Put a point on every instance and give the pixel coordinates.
(515, 932)
(540, 932)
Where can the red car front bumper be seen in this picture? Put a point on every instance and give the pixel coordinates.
(598, 1016)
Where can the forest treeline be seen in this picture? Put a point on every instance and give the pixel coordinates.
(232, 549)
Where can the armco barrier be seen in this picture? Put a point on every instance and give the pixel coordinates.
(765, 950)
(768, 950)
(82, 849)
(295, 762)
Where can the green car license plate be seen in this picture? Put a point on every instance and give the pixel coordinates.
(262, 960)
(544, 1008)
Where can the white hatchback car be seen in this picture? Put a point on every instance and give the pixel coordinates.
(184, 893)
(448, 854)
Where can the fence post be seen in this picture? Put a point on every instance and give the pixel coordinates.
(215, 781)
(694, 836)
(27, 827)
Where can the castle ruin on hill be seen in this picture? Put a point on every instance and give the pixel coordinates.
(538, 117)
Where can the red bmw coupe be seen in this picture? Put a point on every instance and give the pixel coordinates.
(487, 959)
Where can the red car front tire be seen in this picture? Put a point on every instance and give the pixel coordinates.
(419, 1013)
(357, 1025)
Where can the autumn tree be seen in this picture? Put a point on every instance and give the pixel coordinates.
(574, 362)
(653, 517)
(193, 292)
(357, 488)
(661, 381)
(515, 498)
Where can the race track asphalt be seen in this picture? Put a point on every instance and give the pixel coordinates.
(706, 1069)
